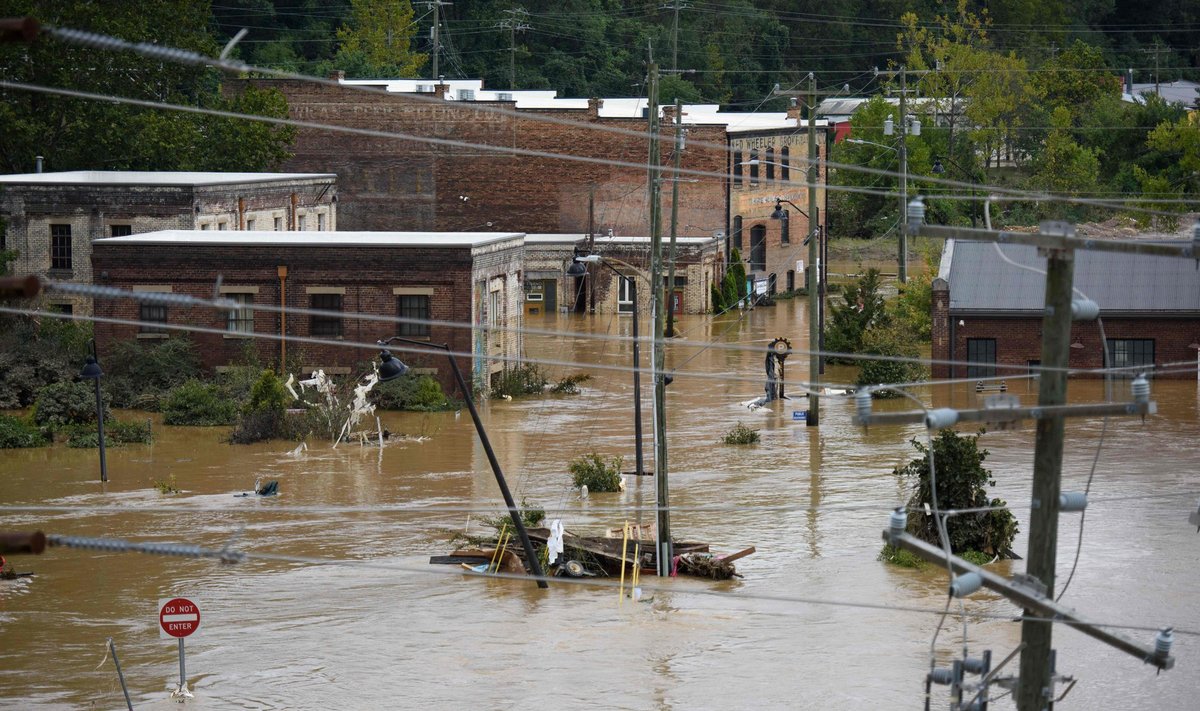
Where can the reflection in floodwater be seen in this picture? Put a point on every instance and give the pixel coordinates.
(284, 635)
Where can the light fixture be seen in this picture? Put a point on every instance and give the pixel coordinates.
(390, 367)
(91, 371)
(1077, 345)
(1194, 346)
(938, 168)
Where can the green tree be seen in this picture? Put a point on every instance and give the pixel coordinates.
(1075, 80)
(1065, 167)
(377, 40)
(893, 341)
(861, 308)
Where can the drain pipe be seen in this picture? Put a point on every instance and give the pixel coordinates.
(282, 271)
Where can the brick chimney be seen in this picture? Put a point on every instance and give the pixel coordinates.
(442, 89)
(593, 109)
(795, 111)
(668, 117)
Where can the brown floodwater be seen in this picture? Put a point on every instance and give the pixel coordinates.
(392, 631)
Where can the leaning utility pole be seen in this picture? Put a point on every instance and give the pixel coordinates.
(670, 331)
(663, 553)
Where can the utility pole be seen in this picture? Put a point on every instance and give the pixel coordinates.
(814, 242)
(1156, 50)
(515, 22)
(663, 553)
(436, 6)
(676, 6)
(670, 331)
(1035, 690)
(903, 255)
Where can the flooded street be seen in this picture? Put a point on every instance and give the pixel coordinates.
(400, 633)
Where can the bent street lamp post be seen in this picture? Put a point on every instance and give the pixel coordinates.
(579, 268)
(815, 307)
(91, 371)
(391, 368)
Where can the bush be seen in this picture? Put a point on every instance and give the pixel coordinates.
(741, 434)
(889, 341)
(167, 486)
(531, 515)
(237, 381)
(522, 380)
(36, 352)
(263, 415)
(68, 403)
(962, 483)
(139, 375)
(570, 384)
(592, 471)
(861, 308)
(912, 309)
(16, 433)
(901, 558)
(419, 393)
(116, 433)
(197, 403)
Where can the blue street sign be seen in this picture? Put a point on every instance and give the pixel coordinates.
(799, 414)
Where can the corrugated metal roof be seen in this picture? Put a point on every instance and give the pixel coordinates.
(980, 280)
(258, 238)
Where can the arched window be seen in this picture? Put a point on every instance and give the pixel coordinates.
(737, 169)
(737, 233)
(758, 248)
(754, 167)
(770, 165)
(785, 169)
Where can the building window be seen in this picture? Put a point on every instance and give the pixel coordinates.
(625, 290)
(1130, 353)
(303, 220)
(241, 319)
(151, 315)
(120, 230)
(60, 247)
(737, 169)
(67, 309)
(279, 224)
(204, 226)
(785, 165)
(785, 231)
(249, 225)
(772, 285)
(753, 167)
(495, 309)
(325, 326)
(770, 165)
(737, 233)
(222, 225)
(791, 280)
(321, 222)
(413, 306)
(758, 248)
(981, 354)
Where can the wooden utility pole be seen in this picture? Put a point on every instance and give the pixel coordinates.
(515, 22)
(662, 500)
(902, 257)
(436, 6)
(670, 330)
(813, 174)
(1036, 689)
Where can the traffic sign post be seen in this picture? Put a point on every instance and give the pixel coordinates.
(179, 618)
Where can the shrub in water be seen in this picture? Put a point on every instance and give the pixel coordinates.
(592, 471)
(521, 380)
(35, 352)
(139, 374)
(262, 417)
(889, 341)
(16, 432)
(68, 403)
(197, 403)
(116, 433)
(419, 393)
(741, 434)
(570, 384)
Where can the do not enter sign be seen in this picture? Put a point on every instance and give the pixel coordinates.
(178, 617)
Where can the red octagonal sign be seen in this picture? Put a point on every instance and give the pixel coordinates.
(178, 617)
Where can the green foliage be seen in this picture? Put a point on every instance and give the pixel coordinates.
(861, 307)
(889, 340)
(139, 374)
(737, 273)
(198, 403)
(518, 381)
(531, 515)
(68, 403)
(268, 395)
(16, 432)
(116, 433)
(741, 434)
(901, 558)
(36, 351)
(962, 483)
(376, 41)
(596, 473)
(416, 393)
(911, 310)
(570, 384)
(166, 486)
(1064, 166)
(264, 416)
(733, 285)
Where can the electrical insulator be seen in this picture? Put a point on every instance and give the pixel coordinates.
(862, 403)
(942, 676)
(916, 212)
(1141, 389)
(1084, 310)
(897, 522)
(965, 584)
(974, 665)
(1072, 501)
(916, 127)
(1163, 641)
(941, 418)
(889, 126)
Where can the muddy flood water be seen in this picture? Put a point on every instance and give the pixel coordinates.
(378, 627)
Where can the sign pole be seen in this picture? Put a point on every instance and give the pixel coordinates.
(183, 690)
(178, 618)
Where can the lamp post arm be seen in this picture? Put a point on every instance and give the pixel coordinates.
(794, 206)
(530, 555)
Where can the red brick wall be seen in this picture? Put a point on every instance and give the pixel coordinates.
(940, 328)
(368, 275)
(394, 184)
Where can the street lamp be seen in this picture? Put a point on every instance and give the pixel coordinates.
(579, 268)
(816, 309)
(391, 368)
(939, 169)
(91, 371)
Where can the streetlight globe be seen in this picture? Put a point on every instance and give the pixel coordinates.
(91, 369)
(390, 367)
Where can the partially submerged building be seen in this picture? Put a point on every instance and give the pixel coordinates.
(51, 219)
(988, 312)
(472, 280)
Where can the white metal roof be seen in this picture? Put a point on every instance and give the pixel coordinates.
(147, 177)
(258, 238)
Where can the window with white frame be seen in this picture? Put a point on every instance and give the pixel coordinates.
(625, 294)
(241, 319)
(302, 221)
(320, 221)
(279, 224)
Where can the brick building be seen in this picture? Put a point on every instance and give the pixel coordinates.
(53, 218)
(989, 312)
(392, 184)
(465, 278)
